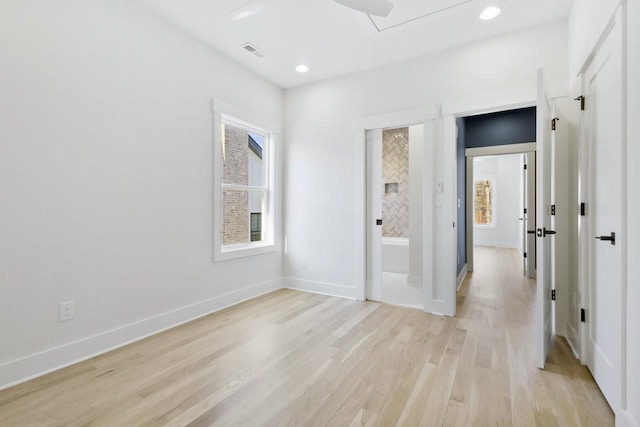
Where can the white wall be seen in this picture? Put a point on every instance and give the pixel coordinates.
(106, 179)
(320, 141)
(506, 170)
(587, 21)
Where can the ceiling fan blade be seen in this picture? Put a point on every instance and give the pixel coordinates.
(370, 7)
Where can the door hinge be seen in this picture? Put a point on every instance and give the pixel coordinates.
(553, 209)
(553, 294)
(582, 100)
(583, 209)
(553, 123)
(583, 315)
(525, 211)
(525, 254)
(525, 166)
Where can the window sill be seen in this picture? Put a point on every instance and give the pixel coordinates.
(243, 250)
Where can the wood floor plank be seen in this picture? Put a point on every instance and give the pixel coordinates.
(297, 359)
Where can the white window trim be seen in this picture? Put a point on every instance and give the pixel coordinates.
(494, 202)
(271, 223)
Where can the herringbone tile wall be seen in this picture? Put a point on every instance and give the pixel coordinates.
(395, 169)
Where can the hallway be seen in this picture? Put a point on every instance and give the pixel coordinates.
(496, 305)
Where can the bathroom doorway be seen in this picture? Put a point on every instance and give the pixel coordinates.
(394, 208)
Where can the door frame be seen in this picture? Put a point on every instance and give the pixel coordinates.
(586, 231)
(470, 154)
(428, 117)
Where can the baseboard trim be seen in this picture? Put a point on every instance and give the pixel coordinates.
(461, 276)
(572, 339)
(35, 365)
(322, 288)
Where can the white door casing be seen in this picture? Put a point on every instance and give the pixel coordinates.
(543, 204)
(530, 214)
(603, 123)
(374, 213)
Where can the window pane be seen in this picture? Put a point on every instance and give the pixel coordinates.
(242, 160)
(242, 216)
(483, 202)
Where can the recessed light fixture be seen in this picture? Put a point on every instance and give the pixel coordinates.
(490, 13)
(302, 68)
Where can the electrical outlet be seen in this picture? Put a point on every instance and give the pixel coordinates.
(67, 310)
(303, 263)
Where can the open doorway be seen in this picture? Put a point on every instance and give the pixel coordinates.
(498, 194)
(497, 145)
(395, 210)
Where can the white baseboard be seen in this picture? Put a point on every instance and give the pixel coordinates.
(573, 340)
(322, 288)
(20, 370)
(461, 276)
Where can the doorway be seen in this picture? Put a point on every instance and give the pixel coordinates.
(395, 211)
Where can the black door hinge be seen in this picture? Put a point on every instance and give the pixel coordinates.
(553, 209)
(583, 315)
(525, 166)
(553, 123)
(525, 211)
(583, 209)
(553, 294)
(582, 100)
(525, 254)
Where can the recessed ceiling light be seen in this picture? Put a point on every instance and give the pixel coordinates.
(302, 68)
(490, 13)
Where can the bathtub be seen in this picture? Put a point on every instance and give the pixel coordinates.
(395, 254)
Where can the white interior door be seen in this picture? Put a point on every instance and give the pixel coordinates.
(530, 214)
(374, 214)
(544, 233)
(602, 84)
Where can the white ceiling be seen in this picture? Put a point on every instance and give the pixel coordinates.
(334, 40)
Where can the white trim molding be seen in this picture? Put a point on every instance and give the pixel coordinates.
(427, 117)
(321, 288)
(461, 277)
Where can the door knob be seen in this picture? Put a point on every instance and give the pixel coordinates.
(611, 238)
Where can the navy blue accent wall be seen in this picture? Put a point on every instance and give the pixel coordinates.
(502, 128)
(462, 181)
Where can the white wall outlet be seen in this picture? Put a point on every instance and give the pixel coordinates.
(303, 263)
(67, 310)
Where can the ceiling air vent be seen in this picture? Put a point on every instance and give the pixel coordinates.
(253, 50)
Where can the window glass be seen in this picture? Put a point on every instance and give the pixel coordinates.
(483, 202)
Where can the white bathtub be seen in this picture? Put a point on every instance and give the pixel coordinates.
(395, 254)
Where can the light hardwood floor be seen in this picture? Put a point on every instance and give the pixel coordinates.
(296, 359)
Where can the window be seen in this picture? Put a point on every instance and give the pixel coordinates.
(484, 202)
(244, 224)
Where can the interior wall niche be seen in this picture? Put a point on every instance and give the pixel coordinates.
(395, 176)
